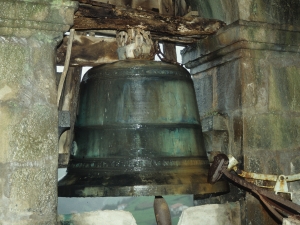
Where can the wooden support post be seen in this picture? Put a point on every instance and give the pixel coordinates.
(68, 102)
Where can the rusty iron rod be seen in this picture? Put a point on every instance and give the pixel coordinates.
(269, 206)
(261, 191)
(271, 200)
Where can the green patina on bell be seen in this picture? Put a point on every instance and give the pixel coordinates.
(137, 133)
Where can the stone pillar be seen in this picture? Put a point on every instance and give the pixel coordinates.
(29, 33)
(247, 77)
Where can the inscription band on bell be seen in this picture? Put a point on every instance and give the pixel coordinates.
(133, 164)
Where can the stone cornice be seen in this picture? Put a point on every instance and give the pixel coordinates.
(243, 35)
(265, 11)
(21, 18)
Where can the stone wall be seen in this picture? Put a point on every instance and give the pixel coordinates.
(247, 79)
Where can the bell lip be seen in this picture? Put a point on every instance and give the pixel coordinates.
(204, 189)
(73, 186)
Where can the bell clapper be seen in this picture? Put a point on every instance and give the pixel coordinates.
(161, 211)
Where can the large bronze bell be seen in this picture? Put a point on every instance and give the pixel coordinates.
(137, 133)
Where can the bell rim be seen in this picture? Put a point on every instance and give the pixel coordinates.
(198, 189)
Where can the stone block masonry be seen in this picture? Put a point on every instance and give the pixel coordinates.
(29, 33)
(248, 73)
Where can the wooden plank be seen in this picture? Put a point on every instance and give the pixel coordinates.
(170, 51)
(180, 27)
(69, 103)
(93, 51)
(88, 51)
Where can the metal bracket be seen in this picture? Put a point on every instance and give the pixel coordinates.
(281, 180)
(277, 205)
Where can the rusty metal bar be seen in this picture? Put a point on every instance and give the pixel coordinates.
(268, 205)
(257, 176)
(261, 191)
(219, 167)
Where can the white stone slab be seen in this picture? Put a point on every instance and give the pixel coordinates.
(290, 221)
(214, 214)
(107, 217)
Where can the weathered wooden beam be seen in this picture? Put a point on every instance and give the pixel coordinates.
(197, 26)
(92, 51)
(87, 18)
(178, 40)
(88, 51)
(69, 103)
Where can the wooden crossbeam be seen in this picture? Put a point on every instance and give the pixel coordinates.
(93, 17)
(99, 17)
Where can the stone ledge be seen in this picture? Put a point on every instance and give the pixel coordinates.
(43, 11)
(243, 35)
(270, 11)
(199, 65)
(36, 25)
(18, 17)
